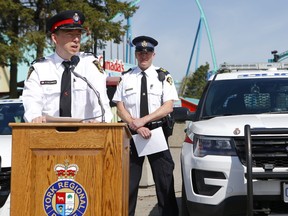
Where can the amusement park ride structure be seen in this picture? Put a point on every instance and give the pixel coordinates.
(278, 57)
(129, 53)
(198, 38)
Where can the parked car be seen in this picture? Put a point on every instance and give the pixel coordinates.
(11, 110)
(214, 161)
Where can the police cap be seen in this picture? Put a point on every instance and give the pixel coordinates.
(70, 19)
(144, 43)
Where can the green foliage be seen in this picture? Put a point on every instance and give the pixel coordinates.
(196, 82)
(23, 26)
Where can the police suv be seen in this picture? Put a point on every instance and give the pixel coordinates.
(11, 110)
(234, 159)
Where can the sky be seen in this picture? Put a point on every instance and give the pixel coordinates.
(242, 31)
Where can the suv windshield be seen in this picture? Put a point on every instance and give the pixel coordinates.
(246, 96)
(10, 112)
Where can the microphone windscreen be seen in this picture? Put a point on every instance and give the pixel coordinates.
(75, 60)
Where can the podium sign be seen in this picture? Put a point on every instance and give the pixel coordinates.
(77, 168)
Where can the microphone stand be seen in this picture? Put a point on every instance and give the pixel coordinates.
(94, 90)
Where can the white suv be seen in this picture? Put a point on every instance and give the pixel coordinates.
(11, 110)
(216, 162)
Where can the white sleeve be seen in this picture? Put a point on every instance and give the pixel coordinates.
(32, 97)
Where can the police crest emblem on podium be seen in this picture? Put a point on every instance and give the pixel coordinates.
(65, 196)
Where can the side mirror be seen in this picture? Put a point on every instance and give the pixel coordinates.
(182, 114)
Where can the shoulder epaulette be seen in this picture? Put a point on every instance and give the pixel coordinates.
(162, 70)
(31, 69)
(98, 65)
(162, 73)
(90, 53)
(42, 59)
(125, 72)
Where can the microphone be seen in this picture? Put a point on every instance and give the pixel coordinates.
(74, 61)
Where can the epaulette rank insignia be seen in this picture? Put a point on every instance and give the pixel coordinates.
(31, 69)
(98, 65)
(163, 70)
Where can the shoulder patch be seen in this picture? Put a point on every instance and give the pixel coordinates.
(42, 59)
(169, 80)
(31, 69)
(98, 65)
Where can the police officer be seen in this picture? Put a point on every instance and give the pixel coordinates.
(161, 94)
(43, 88)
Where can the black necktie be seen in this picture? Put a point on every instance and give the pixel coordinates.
(143, 97)
(65, 96)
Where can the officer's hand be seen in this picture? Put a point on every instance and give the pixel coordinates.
(137, 123)
(144, 132)
(39, 119)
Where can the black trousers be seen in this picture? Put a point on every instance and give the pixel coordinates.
(162, 167)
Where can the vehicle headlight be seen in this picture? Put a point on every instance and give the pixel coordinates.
(213, 146)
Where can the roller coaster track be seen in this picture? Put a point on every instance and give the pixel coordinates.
(278, 57)
(198, 38)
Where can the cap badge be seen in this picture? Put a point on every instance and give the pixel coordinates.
(144, 44)
(76, 18)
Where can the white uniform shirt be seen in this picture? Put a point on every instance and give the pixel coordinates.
(41, 94)
(129, 89)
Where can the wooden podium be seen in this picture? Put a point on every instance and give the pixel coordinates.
(99, 187)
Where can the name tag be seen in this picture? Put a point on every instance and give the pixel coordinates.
(48, 82)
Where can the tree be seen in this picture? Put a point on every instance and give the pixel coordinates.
(23, 28)
(14, 21)
(196, 82)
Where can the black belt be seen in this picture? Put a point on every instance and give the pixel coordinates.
(152, 125)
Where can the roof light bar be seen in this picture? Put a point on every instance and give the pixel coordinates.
(256, 66)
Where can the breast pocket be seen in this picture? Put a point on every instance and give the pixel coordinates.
(79, 91)
(51, 95)
(79, 85)
(51, 90)
(155, 93)
(130, 97)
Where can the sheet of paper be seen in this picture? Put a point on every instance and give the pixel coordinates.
(156, 143)
(52, 119)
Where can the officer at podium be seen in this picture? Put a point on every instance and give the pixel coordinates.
(51, 89)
